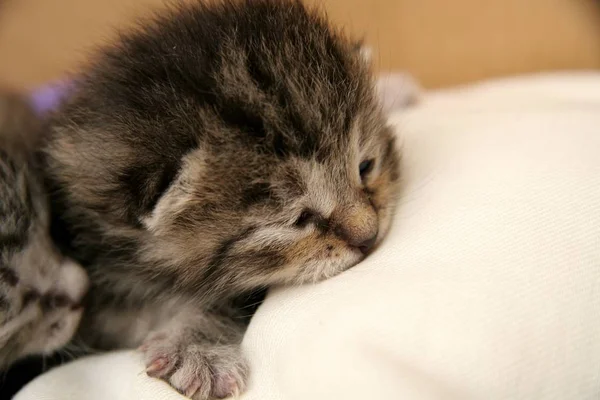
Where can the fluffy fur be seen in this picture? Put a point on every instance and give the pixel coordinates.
(220, 148)
(39, 290)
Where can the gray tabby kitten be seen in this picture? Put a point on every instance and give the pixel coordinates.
(221, 148)
(39, 290)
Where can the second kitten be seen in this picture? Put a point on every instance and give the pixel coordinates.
(40, 290)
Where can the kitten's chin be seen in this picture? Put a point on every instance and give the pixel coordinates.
(315, 271)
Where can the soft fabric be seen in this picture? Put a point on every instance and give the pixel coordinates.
(488, 286)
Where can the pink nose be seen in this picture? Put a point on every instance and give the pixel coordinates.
(366, 246)
(358, 226)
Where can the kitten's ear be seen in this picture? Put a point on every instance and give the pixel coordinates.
(364, 51)
(397, 91)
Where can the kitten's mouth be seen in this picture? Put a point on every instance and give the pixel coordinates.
(361, 253)
(366, 250)
(372, 249)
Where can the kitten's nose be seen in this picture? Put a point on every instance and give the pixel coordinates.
(358, 226)
(366, 246)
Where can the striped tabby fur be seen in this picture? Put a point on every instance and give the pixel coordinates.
(39, 290)
(221, 148)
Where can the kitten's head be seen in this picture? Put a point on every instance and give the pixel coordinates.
(38, 286)
(240, 142)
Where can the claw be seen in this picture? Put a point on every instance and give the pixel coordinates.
(193, 388)
(156, 368)
(225, 386)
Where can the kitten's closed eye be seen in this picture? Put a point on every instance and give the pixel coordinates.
(365, 168)
(305, 217)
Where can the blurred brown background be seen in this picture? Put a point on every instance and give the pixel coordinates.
(442, 42)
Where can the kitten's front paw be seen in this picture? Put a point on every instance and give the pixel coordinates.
(72, 281)
(198, 371)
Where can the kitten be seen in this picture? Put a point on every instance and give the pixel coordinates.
(39, 290)
(222, 148)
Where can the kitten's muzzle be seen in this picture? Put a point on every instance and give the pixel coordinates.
(366, 246)
(358, 226)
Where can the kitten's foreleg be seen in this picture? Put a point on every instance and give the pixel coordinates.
(199, 354)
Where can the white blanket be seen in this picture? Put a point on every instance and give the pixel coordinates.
(488, 286)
